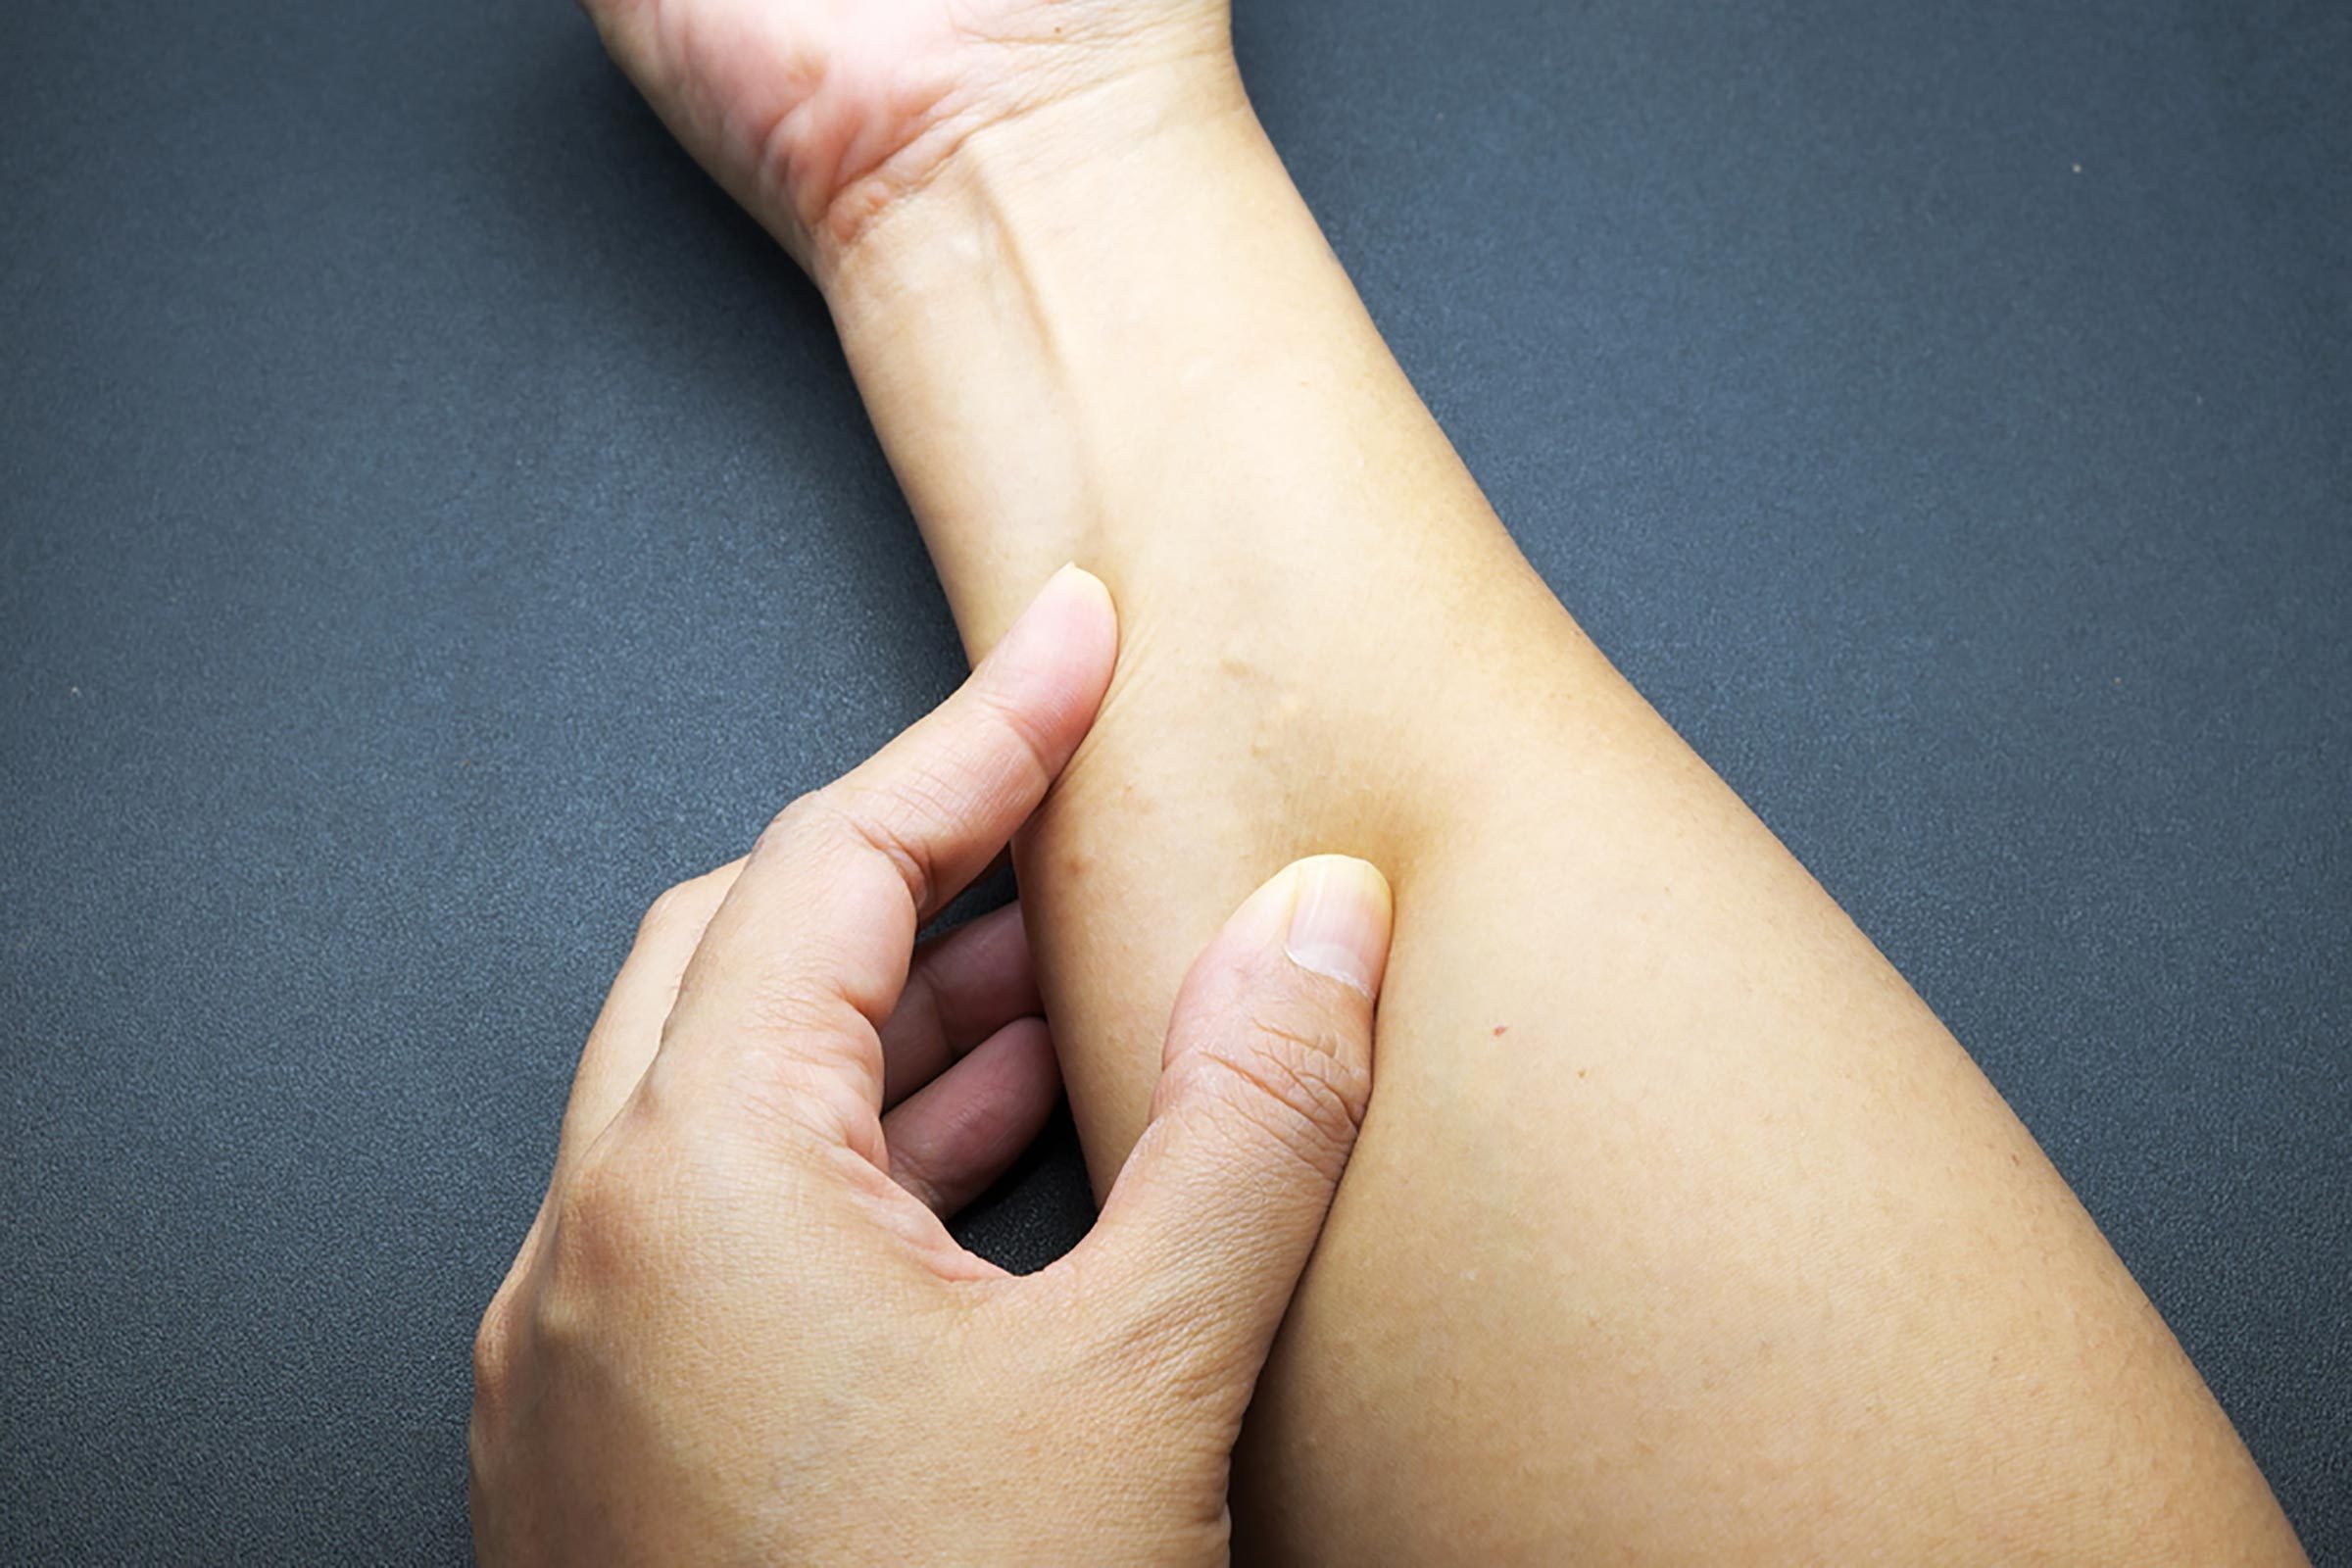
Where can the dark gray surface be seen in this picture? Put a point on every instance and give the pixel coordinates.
(431, 521)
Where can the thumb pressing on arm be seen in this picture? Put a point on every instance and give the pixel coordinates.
(1264, 1084)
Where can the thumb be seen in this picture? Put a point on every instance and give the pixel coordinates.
(1262, 1087)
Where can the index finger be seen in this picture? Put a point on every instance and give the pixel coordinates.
(808, 951)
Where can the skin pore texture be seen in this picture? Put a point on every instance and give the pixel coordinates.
(1679, 1229)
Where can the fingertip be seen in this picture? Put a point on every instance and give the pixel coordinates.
(1086, 594)
(1089, 620)
(1331, 914)
(1072, 616)
(1340, 921)
(1052, 667)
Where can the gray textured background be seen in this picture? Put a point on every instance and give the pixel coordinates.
(431, 521)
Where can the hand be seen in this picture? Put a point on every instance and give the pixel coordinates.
(737, 1332)
(817, 114)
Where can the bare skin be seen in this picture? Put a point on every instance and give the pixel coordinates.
(1680, 1229)
(738, 1333)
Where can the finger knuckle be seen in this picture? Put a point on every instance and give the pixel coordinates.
(811, 1068)
(795, 1007)
(1165, 1348)
(895, 822)
(672, 908)
(605, 1226)
(1295, 1081)
(1173, 1362)
(1207, 1381)
(899, 820)
(811, 1106)
(493, 1351)
(1029, 743)
(802, 819)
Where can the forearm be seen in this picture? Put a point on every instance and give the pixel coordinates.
(1147, 356)
(1679, 1225)
(1151, 363)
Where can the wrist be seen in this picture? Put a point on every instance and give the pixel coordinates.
(1030, 321)
(1166, 129)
